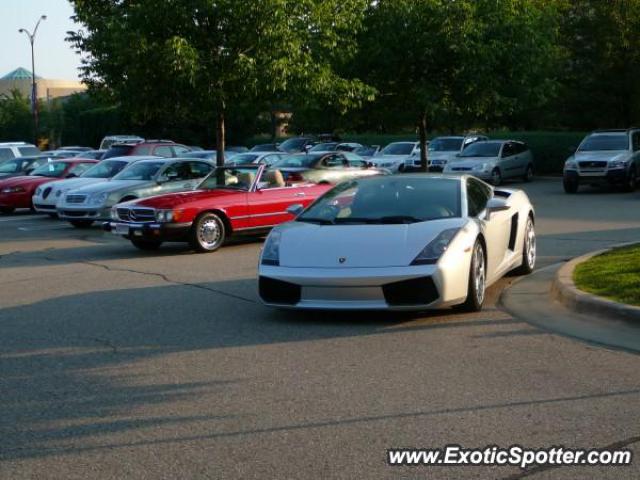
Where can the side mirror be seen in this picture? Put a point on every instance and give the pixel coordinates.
(370, 165)
(495, 206)
(162, 179)
(295, 209)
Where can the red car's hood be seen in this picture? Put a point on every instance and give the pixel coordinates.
(173, 200)
(27, 181)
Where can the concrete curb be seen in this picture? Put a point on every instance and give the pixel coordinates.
(565, 291)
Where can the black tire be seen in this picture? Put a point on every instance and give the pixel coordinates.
(528, 249)
(81, 223)
(476, 290)
(147, 245)
(631, 182)
(208, 233)
(496, 177)
(7, 210)
(401, 168)
(528, 174)
(570, 186)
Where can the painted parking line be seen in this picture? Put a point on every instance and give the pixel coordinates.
(22, 218)
(45, 227)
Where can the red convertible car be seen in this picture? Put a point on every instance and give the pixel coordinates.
(245, 199)
(16, 192)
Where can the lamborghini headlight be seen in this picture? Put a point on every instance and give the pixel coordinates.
(271, 250)
(435, 248)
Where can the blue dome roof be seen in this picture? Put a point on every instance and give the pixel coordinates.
(18, 74)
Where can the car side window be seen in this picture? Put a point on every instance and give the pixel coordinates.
(143, 150)
(333, 161)
(477, 197)
(163, 151)
(199, 169)
(635, 140)
(507, 150)
(6, 154)
(180, 150)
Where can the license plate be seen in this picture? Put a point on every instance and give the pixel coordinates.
(121, 229)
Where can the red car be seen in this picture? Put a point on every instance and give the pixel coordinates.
(244, 199)
(16, 192)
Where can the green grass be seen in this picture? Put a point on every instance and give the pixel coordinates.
(614, 275)
(550, 149)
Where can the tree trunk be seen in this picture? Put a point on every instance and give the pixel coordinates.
(220, 137)
(422, 130)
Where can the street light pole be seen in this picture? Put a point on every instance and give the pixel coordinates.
(34, 89)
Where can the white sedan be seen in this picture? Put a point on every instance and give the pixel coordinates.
(404, 242)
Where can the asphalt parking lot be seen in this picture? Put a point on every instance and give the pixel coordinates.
(118, 363)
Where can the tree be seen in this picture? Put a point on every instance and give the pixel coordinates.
(167, 61)
(16, 121)
(449, 63)
(600, 84)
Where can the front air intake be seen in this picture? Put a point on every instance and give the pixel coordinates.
(279, 292)
(417, 291)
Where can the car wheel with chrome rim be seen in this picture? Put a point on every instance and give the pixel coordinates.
(528, 249)
(477, 280)
(207, 233)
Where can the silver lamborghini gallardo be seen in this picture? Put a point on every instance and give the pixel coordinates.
(403, 242)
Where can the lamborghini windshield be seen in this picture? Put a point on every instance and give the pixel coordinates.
(386, 200)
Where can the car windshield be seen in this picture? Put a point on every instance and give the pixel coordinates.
(230, 177)
(293, 161)
(53, 169)
(105, 169)
(398, 149)
(243, 158)
(386, 200)
(11, 166)
(324, 147)
(365, 151)
(445, 145)
(596, 143)
(139, 171)
(482, 149)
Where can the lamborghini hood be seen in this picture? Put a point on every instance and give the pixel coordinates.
(307, 245)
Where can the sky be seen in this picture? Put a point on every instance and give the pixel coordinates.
(54, 58)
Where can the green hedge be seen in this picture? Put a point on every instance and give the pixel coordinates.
(550, 149)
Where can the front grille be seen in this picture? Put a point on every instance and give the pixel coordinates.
(136, 214)
(75, 198)
(279, 292)
(44, 207)
(46, 192)
(417, 291)
(588, 165)
(79, 213)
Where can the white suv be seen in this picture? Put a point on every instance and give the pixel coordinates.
(605, 157)
(9, 150)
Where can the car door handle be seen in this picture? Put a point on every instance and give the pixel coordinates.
(299, 194)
